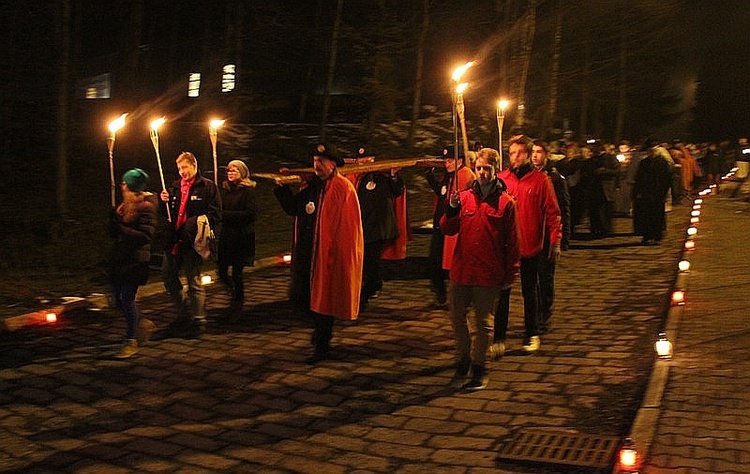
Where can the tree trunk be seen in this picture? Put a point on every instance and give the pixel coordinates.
(63, 123)
(585, 88)
(527, 46)
(331, 68)
(416, 103)
(129, 66)
(305, 97)
(550, 115)
(622, 81)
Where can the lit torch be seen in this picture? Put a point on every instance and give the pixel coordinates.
(155, 141)
(213, 133)
(501, 106)
(460, 109)
(114, 126)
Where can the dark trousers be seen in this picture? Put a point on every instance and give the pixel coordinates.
(437, 273)
(235, 283)
(546, 287)
(300, 295)
(530, 292)
(372, 281)
(321, 338)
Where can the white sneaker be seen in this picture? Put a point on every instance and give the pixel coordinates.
(532, 344)
(497, 350)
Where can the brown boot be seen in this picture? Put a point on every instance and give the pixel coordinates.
(129, 349)
(146, 328)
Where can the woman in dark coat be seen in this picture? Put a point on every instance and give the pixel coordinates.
(652, 181)
(132, 224)
(237, 237)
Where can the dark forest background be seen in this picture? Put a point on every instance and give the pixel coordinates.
(373, 72)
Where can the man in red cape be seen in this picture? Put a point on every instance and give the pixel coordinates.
(328, 247)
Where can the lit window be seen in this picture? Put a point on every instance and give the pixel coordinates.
(194, 84)
(227, 78)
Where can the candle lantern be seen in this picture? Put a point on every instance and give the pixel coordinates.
(628, 457)
(678, 298)
(663, 347)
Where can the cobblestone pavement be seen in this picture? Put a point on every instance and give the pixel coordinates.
(241, 399)
(703, 421)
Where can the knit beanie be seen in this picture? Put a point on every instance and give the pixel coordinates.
(135, 179)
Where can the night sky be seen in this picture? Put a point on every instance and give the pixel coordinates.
(688, 57)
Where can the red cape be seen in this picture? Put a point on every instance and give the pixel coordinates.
(336, 274)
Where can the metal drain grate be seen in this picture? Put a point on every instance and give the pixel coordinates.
(572, 449)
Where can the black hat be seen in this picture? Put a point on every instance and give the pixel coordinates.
(362, 151)
(448, 152)
(324, 150)
(650, 143)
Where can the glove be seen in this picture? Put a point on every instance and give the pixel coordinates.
(554, 252)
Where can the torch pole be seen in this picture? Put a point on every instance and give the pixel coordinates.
(213, 133)
(500, 121)
(462, 118)
(155, 142)
(111, 146)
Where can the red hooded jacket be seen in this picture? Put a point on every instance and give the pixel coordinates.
(538, 211)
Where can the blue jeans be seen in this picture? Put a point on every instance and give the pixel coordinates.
(196, 295)
(125, 300)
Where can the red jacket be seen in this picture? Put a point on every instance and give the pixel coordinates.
(486, 230)
(538, 211)
(463, 179)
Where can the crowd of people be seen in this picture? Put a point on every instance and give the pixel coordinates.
(494, 221)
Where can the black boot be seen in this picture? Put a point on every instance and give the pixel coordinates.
(479, 378)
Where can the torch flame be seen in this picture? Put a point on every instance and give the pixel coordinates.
(502, 104)
(158, 123)
(461, 88)
(216, 123)
(461, 70)
(117, 123)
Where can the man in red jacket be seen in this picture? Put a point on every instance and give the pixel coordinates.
(484, 261)
(538, 220)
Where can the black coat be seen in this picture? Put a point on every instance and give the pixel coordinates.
(133, 234)
(376, 192)
(560, 184)
(237, 238)
(204, 200)
(652, 181)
